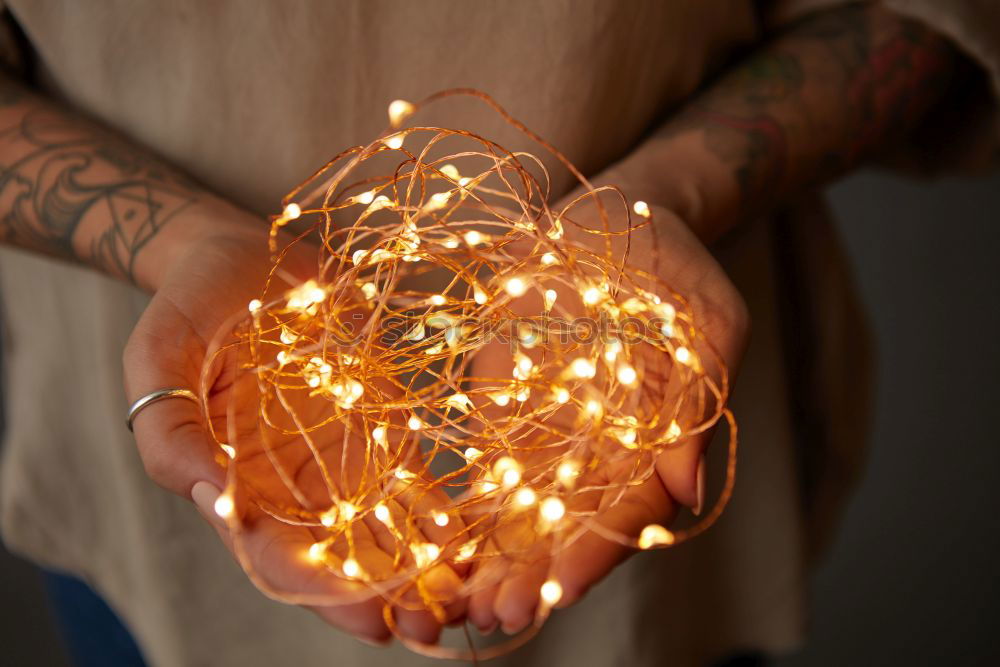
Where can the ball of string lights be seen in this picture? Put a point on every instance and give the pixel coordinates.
(444, 362)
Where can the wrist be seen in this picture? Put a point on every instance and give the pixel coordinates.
(674, 170)
(199, 225)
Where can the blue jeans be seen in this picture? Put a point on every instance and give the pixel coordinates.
(95, 636)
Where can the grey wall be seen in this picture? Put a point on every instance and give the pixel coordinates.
(913, 578)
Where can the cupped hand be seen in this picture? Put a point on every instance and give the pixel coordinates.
(209, 280)
(509, 596)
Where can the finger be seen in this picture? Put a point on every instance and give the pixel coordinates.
(517, 597)
(276, 552)
(591, 557)
(485, 584)
(170, 434)
(682, 471)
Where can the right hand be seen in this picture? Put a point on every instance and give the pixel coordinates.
(211, 277)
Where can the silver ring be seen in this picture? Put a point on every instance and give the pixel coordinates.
(153, 397)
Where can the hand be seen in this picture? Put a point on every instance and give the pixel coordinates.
(674, 255)
(210, 278)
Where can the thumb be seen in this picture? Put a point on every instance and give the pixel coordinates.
(176, 450)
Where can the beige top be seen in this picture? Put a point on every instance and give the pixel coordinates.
(250, 98)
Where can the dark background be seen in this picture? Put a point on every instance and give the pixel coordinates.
(913, 578)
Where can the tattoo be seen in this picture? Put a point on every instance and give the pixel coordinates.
(829, 92)
(72, 190)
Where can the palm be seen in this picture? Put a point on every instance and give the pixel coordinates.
(508, 592)
(203, 297)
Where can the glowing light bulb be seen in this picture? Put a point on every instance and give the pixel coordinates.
(683, 356)
(425, 553)
(380, 202)
(440, 518)
(655, 535)
(382, 513)
(414, 423)
(351, 568)
(567, 472)
(404, 475)
(254, 305)
(451, 171)
(583, 368)
(365, 197)
(471, 453)
(480, 296)
(550, 298)
(399, 110)
(466, 551)
(552, 509)
(501, 398)
(292, 212)
(641, 208)
(525, 497)
(224, 506)
(329, 517)
(508, 471)
(228, 449)
(611, 350)
(317, 551)
(673, 431)
(474, 238)
(556, 231)
(394, 141)
(591, 296)
(460, 402)
(347, 510)
(380, 436)
(627, 374)
(438, 300)
(561, 394)
(439, 199)
(516, 287)
(593, 407)
(551, 592)
(549, 258)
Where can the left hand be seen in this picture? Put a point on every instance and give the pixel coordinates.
(688, 267)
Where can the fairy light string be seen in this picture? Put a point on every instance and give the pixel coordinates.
(443, 369)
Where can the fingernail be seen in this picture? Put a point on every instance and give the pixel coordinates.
(373, 642)
(204, 495)
(700, 487)
(489, 629)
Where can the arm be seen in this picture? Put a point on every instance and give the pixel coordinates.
(73, 190)
(816, 101)
(833, 90)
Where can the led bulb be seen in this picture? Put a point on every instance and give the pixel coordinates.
(394, 141)
(525, 497)
(583, 368)
(516, 287)
(224, 505)
(626, 374)
(399, 110)
(351, 568)
(551, 592)
(655, 535)
(552, 509)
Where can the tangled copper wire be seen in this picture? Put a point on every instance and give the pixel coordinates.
(463, 373)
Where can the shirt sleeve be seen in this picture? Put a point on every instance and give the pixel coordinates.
(965, 133)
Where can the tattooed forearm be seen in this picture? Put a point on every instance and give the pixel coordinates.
(74, 191)
(828, 93)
